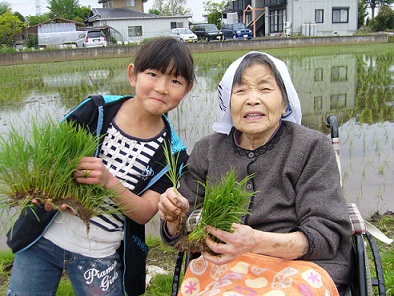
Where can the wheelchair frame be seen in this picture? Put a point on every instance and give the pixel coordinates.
(362, 281)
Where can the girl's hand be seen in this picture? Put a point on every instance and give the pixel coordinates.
(91, 170)
(234, 244)
(49, 205)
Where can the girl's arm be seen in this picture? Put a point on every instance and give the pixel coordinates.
(141, 209)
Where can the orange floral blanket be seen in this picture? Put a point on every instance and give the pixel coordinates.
(256, 275)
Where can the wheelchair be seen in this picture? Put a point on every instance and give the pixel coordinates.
(362, 238)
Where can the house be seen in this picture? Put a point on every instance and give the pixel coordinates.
(131, 24)
(295, 17)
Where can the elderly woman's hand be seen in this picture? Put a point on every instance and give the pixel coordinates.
(245, 239)
(235, 244)
(172, 207)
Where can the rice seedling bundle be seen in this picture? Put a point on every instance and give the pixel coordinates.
(42, 168)
(224, 204)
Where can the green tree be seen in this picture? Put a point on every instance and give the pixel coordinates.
(362, 13)
(19, 16)
(4, 7)
(154, 11)
(214, 11)
(33, 20)
(384, 20)
(10, 27)
(82, 13)
(63, 8)
(171, 7)
(373, 4)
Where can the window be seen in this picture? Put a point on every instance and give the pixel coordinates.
(130, 2)
(319, 16)
(135, 31)
(337, 101)
(338, 73)
(318, 103)
(318, 74)
(340, 14)
(176, 25)
(276, 19)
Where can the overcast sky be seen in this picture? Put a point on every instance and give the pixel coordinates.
(28, 7)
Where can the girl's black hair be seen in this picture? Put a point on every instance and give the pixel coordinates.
(167, 55)
(258, 58)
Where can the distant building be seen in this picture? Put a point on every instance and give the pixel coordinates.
(295, 17)
(134, 25)
(127, 21)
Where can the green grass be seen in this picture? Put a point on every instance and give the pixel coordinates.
(385, 223)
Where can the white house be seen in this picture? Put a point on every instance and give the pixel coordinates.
(135, 25)
(296, 17)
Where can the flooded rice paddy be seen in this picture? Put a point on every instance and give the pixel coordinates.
(355, 84)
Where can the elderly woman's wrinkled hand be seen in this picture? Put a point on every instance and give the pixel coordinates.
(235, 244)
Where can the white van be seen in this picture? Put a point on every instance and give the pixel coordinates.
(92, 39)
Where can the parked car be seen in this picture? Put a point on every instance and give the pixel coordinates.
(92, 39)
(236, 31)
(184, 34)
(208, 32)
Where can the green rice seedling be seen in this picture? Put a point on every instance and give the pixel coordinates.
(42, 167)
(172, 162)
(224, 204)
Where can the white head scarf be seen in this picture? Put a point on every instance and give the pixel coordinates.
(224, 125)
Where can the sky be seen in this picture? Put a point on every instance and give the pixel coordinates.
(28, 7)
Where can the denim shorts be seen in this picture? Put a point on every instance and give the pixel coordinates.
(38, 270)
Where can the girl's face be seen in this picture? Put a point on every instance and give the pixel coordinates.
(158, 92)
(257, 104)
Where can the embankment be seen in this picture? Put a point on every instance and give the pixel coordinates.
(128, 51)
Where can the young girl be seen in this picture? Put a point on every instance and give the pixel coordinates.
(110, 258)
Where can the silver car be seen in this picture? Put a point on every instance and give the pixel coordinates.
(92, 39)
(184, 35)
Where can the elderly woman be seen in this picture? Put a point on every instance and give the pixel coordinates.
(298, 210)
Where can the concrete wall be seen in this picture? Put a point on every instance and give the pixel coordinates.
(129, 51)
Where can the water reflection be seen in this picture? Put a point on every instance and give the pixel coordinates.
(325, 85)
(357, 88)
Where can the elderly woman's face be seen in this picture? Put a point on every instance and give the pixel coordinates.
(257, 104)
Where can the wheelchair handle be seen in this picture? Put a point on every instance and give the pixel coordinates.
(332, 123)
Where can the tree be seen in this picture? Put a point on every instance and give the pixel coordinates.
(384, 20)
(4, 7)
(20, 16)
(82, 13)
(37, 19)
(362, 13)
(171, 7)
(10, 27)
(63, 8)
(373, 4)
(214, 11)
(154, 11)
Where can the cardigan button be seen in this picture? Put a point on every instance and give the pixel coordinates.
(251, 155)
